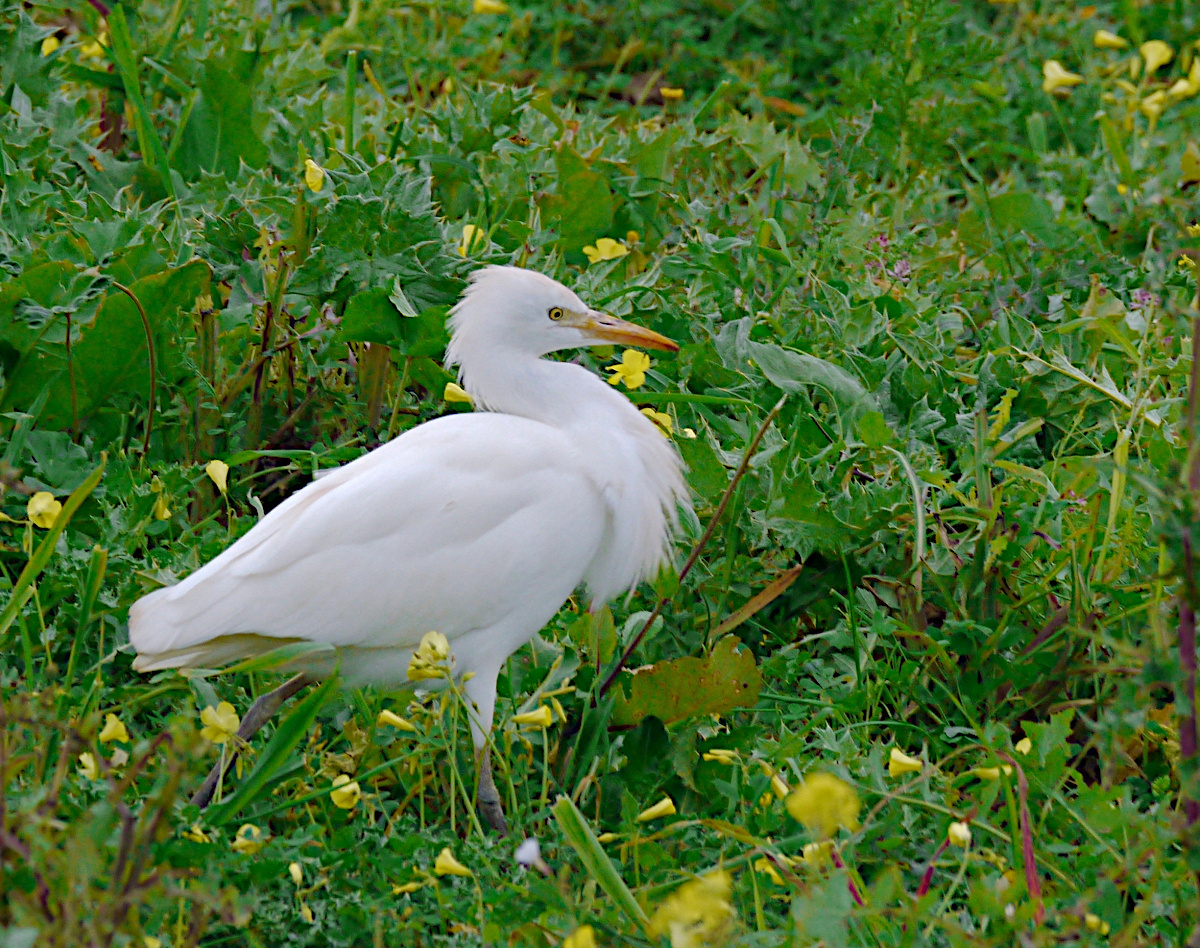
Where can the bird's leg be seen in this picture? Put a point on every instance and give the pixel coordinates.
(480, 691)
(490, 806)
(259, 714)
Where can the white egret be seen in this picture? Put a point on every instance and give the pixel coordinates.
(478, 526)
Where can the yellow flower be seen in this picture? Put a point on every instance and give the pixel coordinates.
(149, 941)
(697, 914)
(220, 723)
(1056, 78)
(296, 873)
(1193, 230)
(1190, 85)
(447, 865)
(114, 730)
(669, 94)
(394, 720)
(218, 473)
(196, 834)
(432, 659)
(815, 854)
(1095, 923)
(660, 418)
(543, 717)
(721, 755)
(42, 509)
(605, 249)
(49, 45)
(823, 803)
(473, 238)
(1152, 106)
(162, 510)
(992, 773)
(1106, 40)
(583, 937)
(607, 838)
(306, 913)
(87, 766)
(490, 6)
(767, 868)
(92, 49)
(314, 175)
(664, 807)
(1023, 746)
(900, 763)
(959, 834)
(249, 839)
(632, 369)
(345, 793)
(1156, 53)
(456, 393)
(408, 887)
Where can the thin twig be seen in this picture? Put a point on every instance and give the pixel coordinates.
(700, 545)
(153, 366)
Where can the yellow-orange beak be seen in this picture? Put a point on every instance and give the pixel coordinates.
(608, 330)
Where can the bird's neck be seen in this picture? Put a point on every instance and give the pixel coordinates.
(557, 393)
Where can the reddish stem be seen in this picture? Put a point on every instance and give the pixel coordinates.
(854, 893)
(927, 879)
(1033, 881)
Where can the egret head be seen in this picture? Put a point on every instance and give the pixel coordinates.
(508, 308)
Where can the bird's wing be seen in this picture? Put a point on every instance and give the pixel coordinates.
(465, 523)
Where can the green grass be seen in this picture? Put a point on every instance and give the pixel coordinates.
(974, 295)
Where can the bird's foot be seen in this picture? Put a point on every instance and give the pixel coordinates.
(493, 813)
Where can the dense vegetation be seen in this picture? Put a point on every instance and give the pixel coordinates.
(928, 681)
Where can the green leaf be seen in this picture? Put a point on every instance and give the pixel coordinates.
(676, 689)
(792, 371)
(582, 208)
(595, 860)
(274, 756)
(873, 430)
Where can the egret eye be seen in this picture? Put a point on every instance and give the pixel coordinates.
(556, 313)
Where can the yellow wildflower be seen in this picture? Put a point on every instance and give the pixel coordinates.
(583, 937)
(196, 834)
(473, 238)
(1056, 79)
(392, 719)
(408, 887)
(296, 873)
(607, 838)
(432, 659)
(305, 912)
(815, 854)
(767, 868)
(1152, 106)
(447, 865)
(1190, 85)
(314, 175)
(959, 834)
(605, 249)
(218, 473)
(664, 807)
(1156, 53)
(670, 94)
(88, 767)
(543, 717)
(1023, 746)
(631, 370)
(456, 393)
(42, 509)
(992, 773)
(92, 49)
(823, 803)
(49, 45)
(162, 510)
(660, 418)
(1106, 40)
(632, 236)
(1193, 230)
(114, 730)
(721, 755)
(696, 914)
(900, 763)
(345, 793)
(220, 723)
(490, 6)
(149, 941)
(1094, 923)
(249, 839)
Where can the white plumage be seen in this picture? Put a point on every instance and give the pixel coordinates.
(478, 526)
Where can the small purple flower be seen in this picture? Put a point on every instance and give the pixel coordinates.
(873, 264)
(902, 271)
(1143, 298)
(881, 241)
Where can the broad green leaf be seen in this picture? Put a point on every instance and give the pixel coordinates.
(676, 689)
(873, 430)
(581, 210)
(792, 371)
